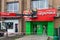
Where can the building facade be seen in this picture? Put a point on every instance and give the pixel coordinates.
(18, 6)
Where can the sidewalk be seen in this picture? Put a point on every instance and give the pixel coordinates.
(33, 37)
(11, 37)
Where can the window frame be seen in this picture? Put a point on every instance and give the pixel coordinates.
(46, 4)
(13, 9)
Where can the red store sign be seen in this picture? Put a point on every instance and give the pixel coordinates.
(7, 14)
(45, 15)
(47, 12)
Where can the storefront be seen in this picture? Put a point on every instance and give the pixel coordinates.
(10, 22)
(12, 25)
(40, 28)
(43, 24)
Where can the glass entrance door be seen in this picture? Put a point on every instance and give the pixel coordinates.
(34, 29)
(45, 29)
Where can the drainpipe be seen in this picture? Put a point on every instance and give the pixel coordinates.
(22, 17)
(59, 32)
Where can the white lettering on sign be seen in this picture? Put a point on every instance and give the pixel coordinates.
(44, 12)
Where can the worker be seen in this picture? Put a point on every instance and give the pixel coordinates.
(34, 12)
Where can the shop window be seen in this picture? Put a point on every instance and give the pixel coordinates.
(9, 25)
(13, 7)
(2, 26)
(39, 4)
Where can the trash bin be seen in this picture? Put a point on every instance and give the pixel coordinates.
(56, 32)
(56, 38)
(59, 33)
(2, 32)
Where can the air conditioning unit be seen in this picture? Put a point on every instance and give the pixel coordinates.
(58, 8)
(58, 15)
(50, 6)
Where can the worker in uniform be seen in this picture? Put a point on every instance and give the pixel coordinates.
(34, 12)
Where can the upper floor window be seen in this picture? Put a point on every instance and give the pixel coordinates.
(13, 7)
(39, 4)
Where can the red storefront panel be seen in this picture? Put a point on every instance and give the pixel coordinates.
(45, 18)
(7, 14)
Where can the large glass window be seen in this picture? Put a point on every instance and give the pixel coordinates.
(2, 26)
(39, 4)
(13, 7)
(6, 25)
